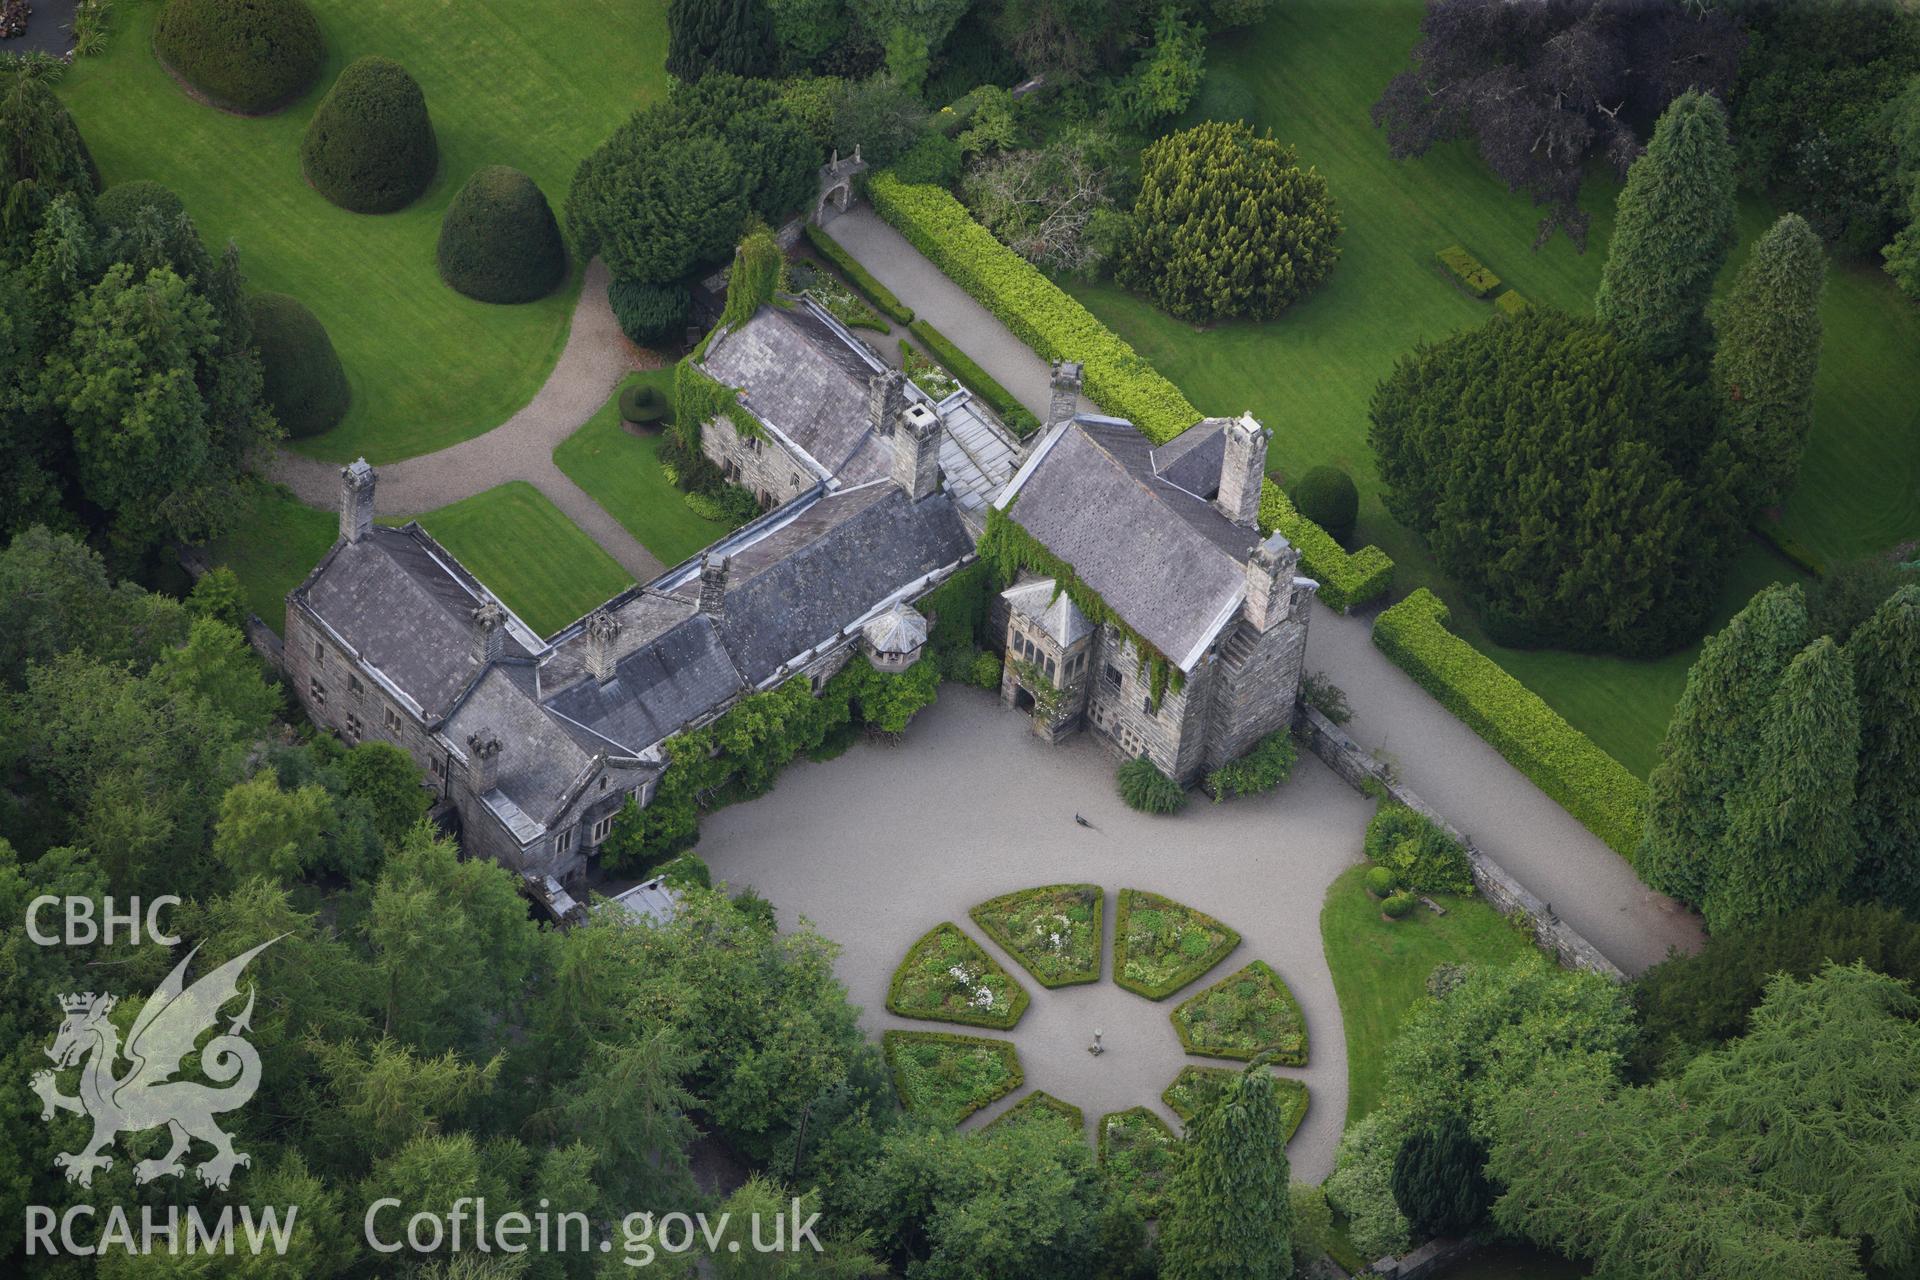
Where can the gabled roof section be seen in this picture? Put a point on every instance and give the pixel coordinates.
(539, 761)
(1167, 561)
(1041, 601)
(678, 676)
(406, 607)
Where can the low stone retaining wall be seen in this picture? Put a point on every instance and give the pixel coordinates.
(1358, 766)
(1430, 1259)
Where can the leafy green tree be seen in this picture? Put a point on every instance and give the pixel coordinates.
(217, 594)
(1547, 422)
(388, 780)
(1885, 653)
(906, 59)
(1790, 833)
(1439, 1179)
(1712, 739)
(837, 1259)
(1851, 590)
(1672, 232)
(629, 1106)
(1228, 224)
(1902, 254)
(734, 37)
(264, 831)
(1767, 354)
(1167, 75)
(805, 31)
(43, 155)
(931, 20)
(217, 664)
(1229, 1213)
(55, 598)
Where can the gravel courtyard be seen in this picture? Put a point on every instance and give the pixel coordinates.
(882, 844)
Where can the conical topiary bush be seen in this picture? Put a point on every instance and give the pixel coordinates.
(249, 56)
(370, 146)
(304, 381)
(498, 241)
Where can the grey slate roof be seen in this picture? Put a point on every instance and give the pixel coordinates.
(1055, 614)
(977, 456)
(407, 608)
(538, 759)
(1168, 562)
(656, 689)
(901, 629)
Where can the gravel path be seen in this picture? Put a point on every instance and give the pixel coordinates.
(886, 842)
(597, 356)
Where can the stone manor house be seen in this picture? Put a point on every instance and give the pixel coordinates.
(876, 494)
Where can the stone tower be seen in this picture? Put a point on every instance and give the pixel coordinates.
(916, 451)
(356, 500)
(1242, 466)
(1065, 400)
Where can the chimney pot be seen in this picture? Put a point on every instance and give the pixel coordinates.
(356, 500)
(1243, 464)
(483, 760)
(713, 585)
(602, 630)
(491, 643)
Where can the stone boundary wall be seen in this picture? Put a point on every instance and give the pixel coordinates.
(264, 639)
(1357, 765)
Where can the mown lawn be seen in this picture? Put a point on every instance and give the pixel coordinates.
(528, 553)
(1380, 969)
(621, 471)
(1316, 67)
(535, 84)
(273, 548)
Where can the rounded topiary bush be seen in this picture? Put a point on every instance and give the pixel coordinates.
(1380, 882)
(498, 241)
(304, 381)
(642, 403)
(1326, 496)
(1397, 905)
(370, 146)
(653, 315)
(121, 205)
(245, 55)
(1145, 788)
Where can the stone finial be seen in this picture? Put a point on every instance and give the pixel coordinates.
(483, 760)
(1270, 582)
(916, 451)
(1065, 400)
(603, 629)
(356, 500)
(886, 397)
(490, 642)
(713, 585)
(1243, 464)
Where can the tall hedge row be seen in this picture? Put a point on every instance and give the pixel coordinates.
(249, 56)
(1118, 378)
(370, 146)
(1563, 762)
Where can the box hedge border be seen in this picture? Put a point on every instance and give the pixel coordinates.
(1563, 762)
(1009, 1053)
(1187, 973)
(1293, 1094)
(1237, 1055)
(1005, 943)
(1347, 579)
(1018, 418)
(862, 279)
(1011, 1019)
(1041, 1100)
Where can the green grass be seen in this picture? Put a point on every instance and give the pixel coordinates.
(528, 553)
(533, 85)
(1053, 931)
(1316, 66)
(944, 977)
(273, 548)
(1380, 969)
(621, 472)
(1242, 1016)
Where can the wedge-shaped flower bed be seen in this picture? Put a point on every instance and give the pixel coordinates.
(1244, 1015)
(1160, 945)
(1138, 1152)
(944, 1077)
(948, 977)
(1197, 1088)
(1041, 1107)
(1053, 931)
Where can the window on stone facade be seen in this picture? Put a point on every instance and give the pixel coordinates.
(352, 731)
(1112, 677)
(796, 479)
(433, 766)
(563, 842)
(320, 651)
(1049, 665)
(603, 827)
(1146, 705)
(353, 684)
(317, 691)
(392, 720)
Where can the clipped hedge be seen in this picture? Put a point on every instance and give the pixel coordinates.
(1038, 311)
(1327, 496)
(1416, 853)
(249, 56)
(1347, 579)
(652, 315)
(1511, 303)
(370, 146)
(975, 379)
(121, 205)
(849, 266)
(1473, 276)
(303, 380)
(1563, 762)
(499, 241)
(1040, 1106)
(916, 1058)
(1223, 1021)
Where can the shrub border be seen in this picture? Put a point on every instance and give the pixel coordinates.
(1292, 1088)
(1017, 417)
(1150, 1198)
(862, 279)
(1009, 1053)
(1182, 977)
(1004, 942)
(1588, 783)
(1012, 1019)
(1041, 1100)
(1236, 1055)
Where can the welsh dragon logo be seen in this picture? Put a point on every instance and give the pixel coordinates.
(146, 1096)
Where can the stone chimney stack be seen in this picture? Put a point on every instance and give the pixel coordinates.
(713, 585)
(886, 398)
(356, 500)
(490, 644)
(916, 451)
(483, 760)
(602, 630)
(1271, 570)
(1065, 401)
(1242, 467)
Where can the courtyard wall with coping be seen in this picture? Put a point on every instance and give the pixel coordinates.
(1357, 765)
